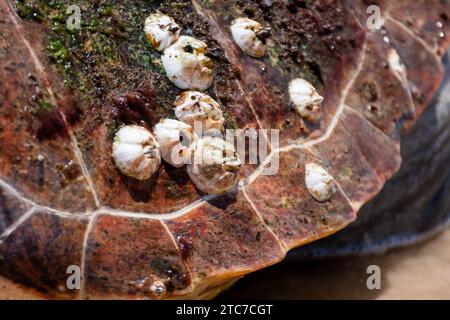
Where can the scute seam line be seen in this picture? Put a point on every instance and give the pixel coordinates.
(24, 217)
(269, 228)
(87, 233)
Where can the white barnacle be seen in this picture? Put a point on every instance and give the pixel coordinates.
(250, 36)
(136, 152)
(216, 165)
(176, 140)
(198, 109)
(319, 182)
(187, 64)
(161, 30)
(306, 99)
(396, 64)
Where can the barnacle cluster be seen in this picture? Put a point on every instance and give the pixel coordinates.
(184, 58)
(212, 163)
(198, 109)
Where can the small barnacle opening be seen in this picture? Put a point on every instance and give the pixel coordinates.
(231, 165)
(158, 288)
(150, 151)
(263, 34)
(373, 109)
(185, 138)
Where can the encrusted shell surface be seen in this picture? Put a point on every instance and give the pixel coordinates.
(161, 30)
(196, 108)
(62, 201)
(136, 153)
(319, 182)
(306, 99)
(176, 140)
(216, 165)
(187, 65)
(250, 36)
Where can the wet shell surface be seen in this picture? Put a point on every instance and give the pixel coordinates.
(250, 36)
(136, 152)
(216, 165)
(176, 140)
(306, 99)
(199, 110)
(161, 30)
(187, 65)
(319, 182)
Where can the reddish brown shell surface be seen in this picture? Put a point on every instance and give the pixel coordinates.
(63, 202)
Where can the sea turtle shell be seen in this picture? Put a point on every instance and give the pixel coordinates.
(65, 92)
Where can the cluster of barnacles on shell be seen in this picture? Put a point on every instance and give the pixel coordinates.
(212, 163)
(138, 153)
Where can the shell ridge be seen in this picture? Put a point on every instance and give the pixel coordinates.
(87, 233)
(6, 233)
